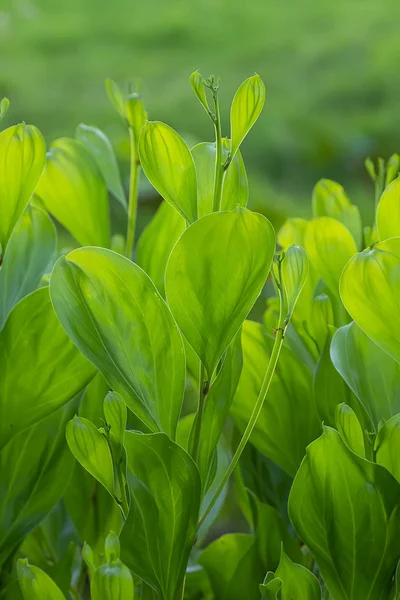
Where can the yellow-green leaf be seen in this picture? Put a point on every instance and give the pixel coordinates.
(388, 211)
(246, 107)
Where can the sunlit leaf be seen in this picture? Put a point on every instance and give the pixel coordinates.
(387, 446)
(246, 107)
(350, 429)
(294, 272)
(197, 83)
(388, 211)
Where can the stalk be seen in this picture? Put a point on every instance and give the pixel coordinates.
(276, 350)
(199, 416)
(133, 196)
(219, 167)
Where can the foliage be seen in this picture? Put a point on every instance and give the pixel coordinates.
(133, 384)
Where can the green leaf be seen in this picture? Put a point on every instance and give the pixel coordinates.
(35, 467)
(271, 587)
(112, 581)
(346, 510)
(216, 411)
(235, 189)
(99, 146)
(350, 429)
(329, 200)
(137, 116)
(387, 446)
(168, 165)
(162, 522)
(369, 288)
(91, 450)
(35, 584)
(29, 253)
(4, 106)
(22, 158)
(75, 193)
(40, 368)
(215, 273)
(388, 211)
(297, 581)
(156, 242)
(197, 83)
(329, 245)
(246, 107)
(294, 272)
(233, 567)
(115, 95)
(288, 420)
(372, 375)
(111, 310)
(115, 414)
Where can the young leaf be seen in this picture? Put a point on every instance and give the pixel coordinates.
(337, 502)
(74, 192)
(329, 200)
(99, 146)
(350, 429)
(373, 376)
(387, 446)
(40, 368)
(35, 467)
(136, 115)
(116, 416)
(369, 288)
(294, 271)
(156, 242)
(233, 567)
(329, 245)
(246, 107)
(168, 165)
(112, 581)
(35, 584)
(91, 450)
(162, 522)
(235, 189)
(22, 158)
(271, 587)
(297, 581)
(29, 253)
(111, 310)
(388, 211)
(288, 420)
(115, 95)
(4, 106)
(215, 273)
(197, 83)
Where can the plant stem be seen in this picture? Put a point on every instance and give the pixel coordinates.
(199, 416)
(219, 167)
(133, 196)
(279, 337)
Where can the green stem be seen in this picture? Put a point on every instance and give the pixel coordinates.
(199, 416)
(279, 337)
(133, 196)
(219, 167)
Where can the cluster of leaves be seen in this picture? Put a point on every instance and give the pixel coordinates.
(132, 380)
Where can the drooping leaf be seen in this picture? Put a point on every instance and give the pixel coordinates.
(168, 165)
(74, 192)
(247, 105)
(350, 429)
(329, 245)
(387, 446)
(35, 467)
(346, 509)
(35, 584)
(214, 275)
(329, 200)
(297, 581)
(197, 84)
(156, 242)
(233, 567)
(373, 376)
(22, 158)
(288, 420)
(28, 255)
(159, 532)
(91, 450)
(235, 189)
(40, 368)
(388, 211)
(99, 146)
(114, 314)
(370, 291)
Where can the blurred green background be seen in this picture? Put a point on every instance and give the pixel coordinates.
(330, 68)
